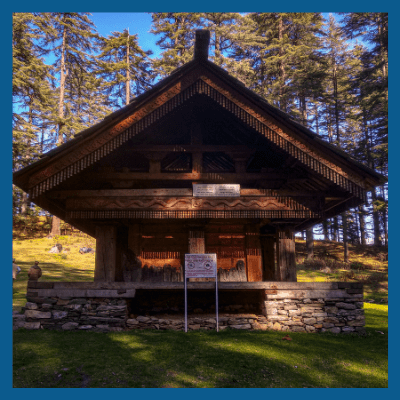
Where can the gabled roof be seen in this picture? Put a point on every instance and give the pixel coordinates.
(197, 76)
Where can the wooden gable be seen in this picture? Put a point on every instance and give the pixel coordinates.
(198, 125)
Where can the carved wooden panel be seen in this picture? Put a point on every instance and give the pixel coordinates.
(181, 203)
(107, 141)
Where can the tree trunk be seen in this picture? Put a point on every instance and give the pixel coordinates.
(55, 226)
(55, 223)
(310, 244)
(128, 78)
(361, 216)
(345, 239)
(282, 99)
(325, 229)
(375, 218)
(335, 229)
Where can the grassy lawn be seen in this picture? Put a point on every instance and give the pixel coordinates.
(69, 266)
(204, 359)
(197, 359)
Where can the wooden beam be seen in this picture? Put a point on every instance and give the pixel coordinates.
(63, 194)
(221, 177)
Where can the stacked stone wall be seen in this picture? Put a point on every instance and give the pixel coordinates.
(294, 307)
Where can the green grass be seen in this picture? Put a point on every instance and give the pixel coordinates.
(204, 359)
(68, 266)
(367, 264)
(197, 359)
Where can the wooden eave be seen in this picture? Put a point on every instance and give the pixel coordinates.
(116, 124)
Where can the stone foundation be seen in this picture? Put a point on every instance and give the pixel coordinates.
(286, 306)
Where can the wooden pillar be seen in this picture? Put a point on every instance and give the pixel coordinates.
(286, 256)
(268, 258)
(253, 254)
(196, 242)
(197, 245)
(106, 253)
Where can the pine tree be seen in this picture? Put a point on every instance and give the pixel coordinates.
(124, 67)
(31, 93)
(72, 41)
(177, 31)
(372, 92)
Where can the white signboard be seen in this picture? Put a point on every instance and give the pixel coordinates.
(200, 265)
(216, 190)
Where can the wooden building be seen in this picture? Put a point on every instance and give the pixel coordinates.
(197, 164)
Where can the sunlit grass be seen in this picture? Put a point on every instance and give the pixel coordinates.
(68, 266)
(203, 359)
(231, 359)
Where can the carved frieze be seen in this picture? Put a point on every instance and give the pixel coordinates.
(162, 203)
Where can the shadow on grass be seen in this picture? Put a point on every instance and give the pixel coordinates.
(228, 359)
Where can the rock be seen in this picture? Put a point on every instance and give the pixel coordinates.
(323, 314)
(297, 329)
(132, 321)
(85, 327)
(331, 310)
(194, 327)
(31, 306)
(244, 326)
(32, 325)
(59, 314)
(310, 321)
(277, 326)
(57, 248)
(310, 328)
(346, 306)
(70, 326)
(141, 318)
(335, 330)
(37, 314)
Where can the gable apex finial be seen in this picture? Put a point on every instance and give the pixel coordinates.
(201, 44)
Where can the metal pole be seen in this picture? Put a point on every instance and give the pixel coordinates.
(185, 306)
(216, 300)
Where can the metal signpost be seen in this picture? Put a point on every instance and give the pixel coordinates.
(201, 266)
